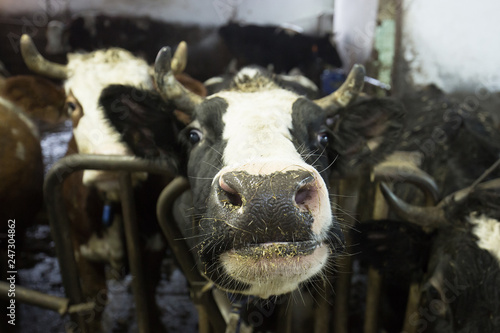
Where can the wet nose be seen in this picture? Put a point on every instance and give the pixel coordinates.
(297, 188)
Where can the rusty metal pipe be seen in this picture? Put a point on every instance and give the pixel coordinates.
(46, 301)
(171, 231)
(33, 297)
(59, 222)
(142, 309)
(211, 319)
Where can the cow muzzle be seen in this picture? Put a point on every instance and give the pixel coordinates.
(269, 230)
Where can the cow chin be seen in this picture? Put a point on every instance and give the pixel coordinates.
(275, 268)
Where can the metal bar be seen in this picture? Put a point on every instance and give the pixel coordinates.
(202, 299)
(348, 199)
(46, 301)
(380, 211)
(58, 218)
(164, 211)
(60, 230)
(412, 308)
(33, 297)
(372, 301)
(142, 308)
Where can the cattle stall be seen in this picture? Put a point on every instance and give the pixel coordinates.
(397, 271)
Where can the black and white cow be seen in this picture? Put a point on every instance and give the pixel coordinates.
(450, 250)
(258, 157)
(460, 291)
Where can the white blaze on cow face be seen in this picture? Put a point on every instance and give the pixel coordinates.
(88, 75)
(487, 230)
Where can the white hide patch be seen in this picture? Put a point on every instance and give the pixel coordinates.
(257, 127)
(487, 230)
(88, 75)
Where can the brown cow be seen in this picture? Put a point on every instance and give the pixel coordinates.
(24, 100)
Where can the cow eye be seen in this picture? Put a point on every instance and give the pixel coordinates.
(323, 138)
(70, 106)
(195, 136)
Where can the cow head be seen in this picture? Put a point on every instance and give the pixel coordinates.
(258, 157)
(85, 76)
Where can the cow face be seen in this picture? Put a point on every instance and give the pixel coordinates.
(258, 159)
(85, 76)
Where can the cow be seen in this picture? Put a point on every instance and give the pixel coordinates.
(258, 158)
(460, 289)
(24, 102)
(92, 196)
(444, 251)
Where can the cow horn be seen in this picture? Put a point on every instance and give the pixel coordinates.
(37, 63)
(348, 91)
(179, 60)
(412, 175)
(168, 86)
(433, 217)
(426, 217)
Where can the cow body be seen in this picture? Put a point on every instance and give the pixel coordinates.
(258, 158)
(454, 247)
(461, 287)
(25, 102)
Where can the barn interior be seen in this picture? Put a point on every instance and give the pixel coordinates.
(414, 50)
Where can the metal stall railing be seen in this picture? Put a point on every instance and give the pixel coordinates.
(369, 204)
(60, 226)
(387, 172)
(210, 317)
(60, 229)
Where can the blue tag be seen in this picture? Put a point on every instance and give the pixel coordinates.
(107, 214)
(331, 80)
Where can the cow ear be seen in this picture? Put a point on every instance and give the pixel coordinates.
(146, 123)
(366, 131)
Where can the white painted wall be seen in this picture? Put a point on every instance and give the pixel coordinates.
(453, 43)
(354, 28)
(202, 12)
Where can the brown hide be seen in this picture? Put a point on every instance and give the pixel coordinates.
(21, 166)
(21, 171)
(39, 97)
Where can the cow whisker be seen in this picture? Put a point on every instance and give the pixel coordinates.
(329, 165)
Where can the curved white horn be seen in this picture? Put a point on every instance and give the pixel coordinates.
(168, 85)
(37, 63)
(348, 91)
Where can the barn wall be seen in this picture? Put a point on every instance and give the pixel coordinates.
(354, 28)
(452, 43)
(207, 12)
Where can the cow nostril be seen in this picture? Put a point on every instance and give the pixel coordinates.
(232, 196)
(304, 196)
(234, 199)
